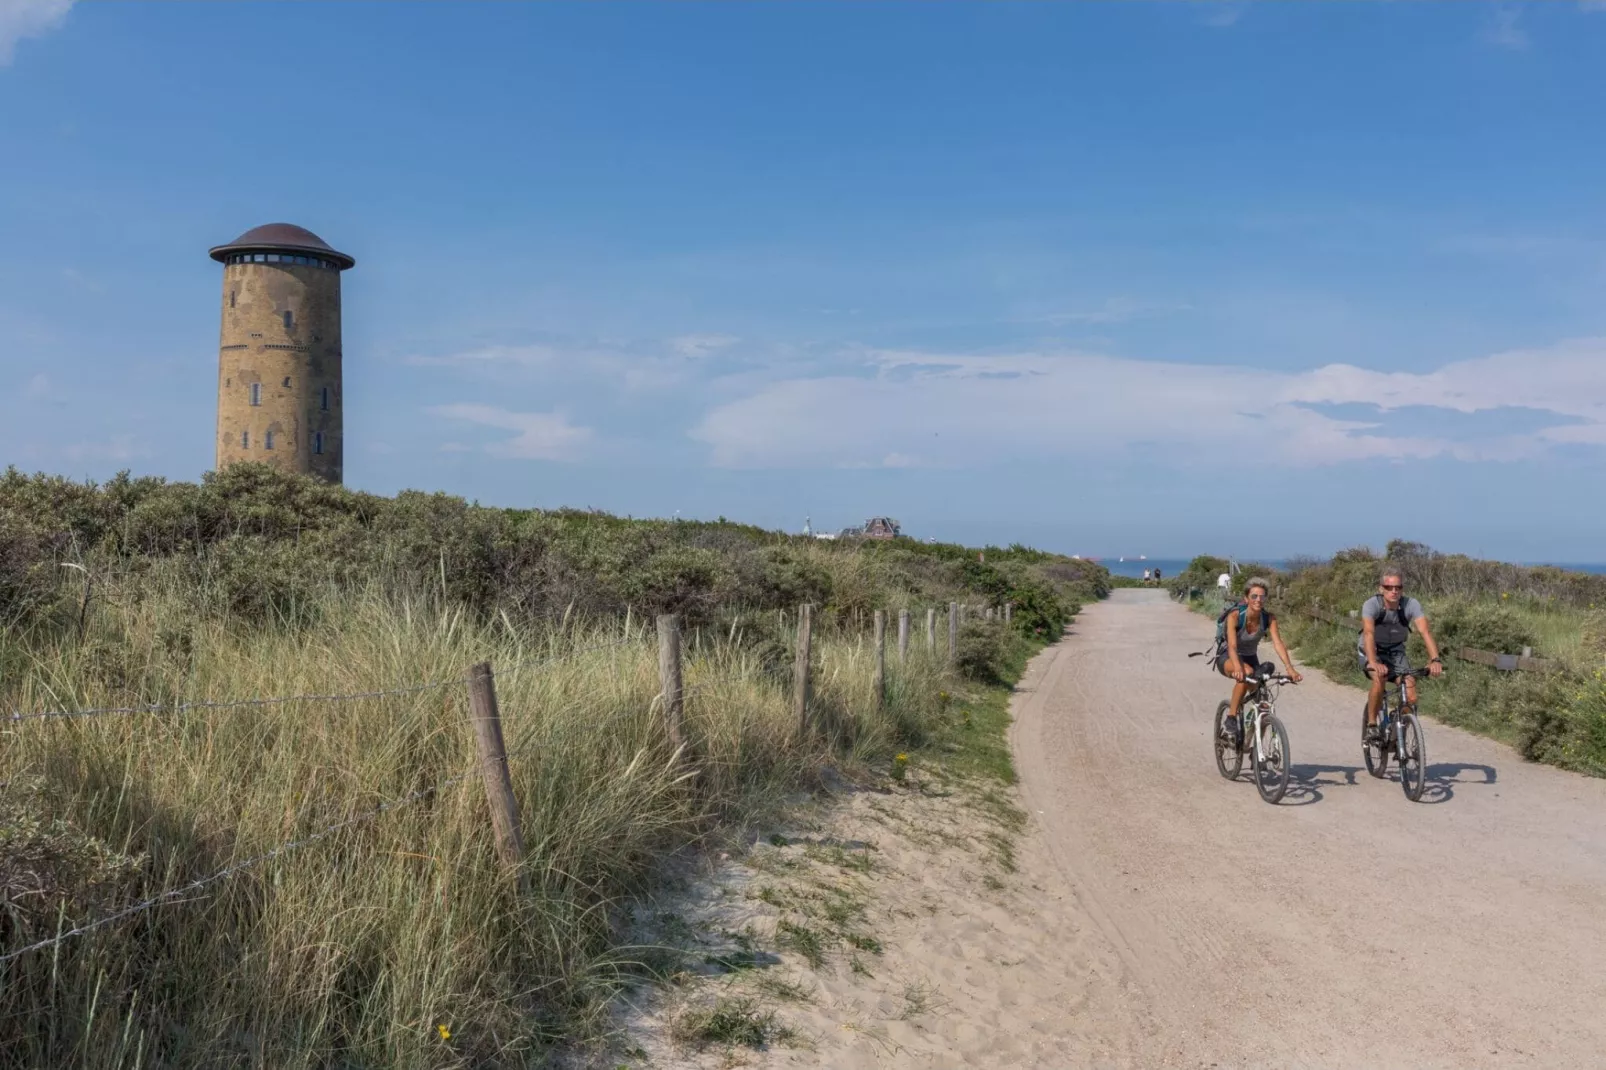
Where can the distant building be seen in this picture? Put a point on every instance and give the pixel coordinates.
(881, 527)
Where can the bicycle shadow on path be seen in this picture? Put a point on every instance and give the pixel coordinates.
(1442, 778)
(1306, 780)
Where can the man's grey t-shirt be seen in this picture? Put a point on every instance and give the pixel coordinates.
(1395, 627)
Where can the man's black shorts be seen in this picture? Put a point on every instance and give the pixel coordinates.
(1391, 656)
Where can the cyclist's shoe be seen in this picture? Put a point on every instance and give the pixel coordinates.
(1372, 734)
(1231, 732)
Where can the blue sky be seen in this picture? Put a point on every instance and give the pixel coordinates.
(1107, 278)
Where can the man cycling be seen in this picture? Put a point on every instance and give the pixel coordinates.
(1386, 622)
(1240, 658)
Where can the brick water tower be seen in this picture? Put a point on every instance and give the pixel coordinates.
(278, 367)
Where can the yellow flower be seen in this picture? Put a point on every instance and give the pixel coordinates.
(446, 1034)
(900, 765)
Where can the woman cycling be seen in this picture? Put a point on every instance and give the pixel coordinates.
(1247, 625)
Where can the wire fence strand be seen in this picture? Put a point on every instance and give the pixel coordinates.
(18, 717)
(238, 867)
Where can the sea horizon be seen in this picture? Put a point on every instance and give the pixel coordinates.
(1169, 566)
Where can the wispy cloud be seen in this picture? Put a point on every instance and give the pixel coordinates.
(958, 411)
(1223, 15)
(38, 387)
(115, 448)
(28, 18)
(635, 364)
(540, 436)
(1504, 29)
(1113, 310)
(701, 345)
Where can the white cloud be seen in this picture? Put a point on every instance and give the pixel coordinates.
(38, 387)
(701, 345)
(542, 436)
(28, 18)
(946, 410)
(1504, 29)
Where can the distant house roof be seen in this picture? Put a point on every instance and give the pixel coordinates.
(280, 237)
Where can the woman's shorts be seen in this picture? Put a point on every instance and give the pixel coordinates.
(1252, 664)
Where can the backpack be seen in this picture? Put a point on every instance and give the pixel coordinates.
(1242, 610)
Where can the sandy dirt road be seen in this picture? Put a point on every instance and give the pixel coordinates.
(1343, 927)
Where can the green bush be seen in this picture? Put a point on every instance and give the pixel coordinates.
(981, 652)
(259, 542)
(1479, 624)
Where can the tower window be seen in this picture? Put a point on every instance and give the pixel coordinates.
(267, 441)
(287, 382)
(323, 399)
(245, 440)
(289, 321)
(256, 396)
(317, 442)
(231, 298)
(259, 258)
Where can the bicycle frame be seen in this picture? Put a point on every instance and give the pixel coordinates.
(1395, 703)
(1258, 703)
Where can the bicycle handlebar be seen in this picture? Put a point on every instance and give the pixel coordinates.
(1414, 673)
(1274, 678)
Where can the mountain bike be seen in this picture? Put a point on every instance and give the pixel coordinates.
(1264, 734)
(1401, 736)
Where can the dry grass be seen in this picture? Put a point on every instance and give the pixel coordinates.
(396, 942)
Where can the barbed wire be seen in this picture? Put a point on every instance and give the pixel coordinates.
(228, 704)
(536, 661)
(172, 894)
(238, 867)
(17, 717)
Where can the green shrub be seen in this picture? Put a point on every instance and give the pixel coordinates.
(981, 651)
(1479, 624)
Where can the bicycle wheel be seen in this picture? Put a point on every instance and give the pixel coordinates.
(1377, 754)
(1413, 757)
(1229, 759)
(1272, 759)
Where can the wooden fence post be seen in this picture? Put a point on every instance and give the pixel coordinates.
(903, 635)
(669, 677)
(953, 629)
(800, 670)
(488, 743)
(1009, 612)
(931, 631)
(880, 660)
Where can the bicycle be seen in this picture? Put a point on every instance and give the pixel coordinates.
(1401, 735)
(1259, 723)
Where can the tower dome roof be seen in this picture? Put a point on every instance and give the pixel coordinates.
(280, 237)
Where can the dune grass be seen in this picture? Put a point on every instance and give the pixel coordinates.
(400, 941)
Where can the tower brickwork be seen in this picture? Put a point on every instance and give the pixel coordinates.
(280, 398)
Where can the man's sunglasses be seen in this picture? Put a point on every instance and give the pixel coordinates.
(1394, 586)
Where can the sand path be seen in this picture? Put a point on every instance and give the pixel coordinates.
(1344, 927)
(1158, 915)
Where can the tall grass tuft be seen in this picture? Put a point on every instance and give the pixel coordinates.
(399, 941)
